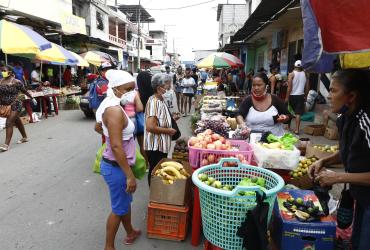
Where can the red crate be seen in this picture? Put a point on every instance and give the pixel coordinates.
(167, 222)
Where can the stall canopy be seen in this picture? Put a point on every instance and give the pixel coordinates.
(19, 39)
(331, 28)
(265, 11)
(220, 60)
(57, 54)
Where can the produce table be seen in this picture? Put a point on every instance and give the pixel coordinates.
(43, 98)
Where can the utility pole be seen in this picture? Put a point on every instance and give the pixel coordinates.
(138, 40)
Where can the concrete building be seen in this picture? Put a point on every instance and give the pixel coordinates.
(157, 45)
(201, 54)
(231, 18)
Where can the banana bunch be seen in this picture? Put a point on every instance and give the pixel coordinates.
(171, 171)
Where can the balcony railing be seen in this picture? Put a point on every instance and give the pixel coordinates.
(117, 41)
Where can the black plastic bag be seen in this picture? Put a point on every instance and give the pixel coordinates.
(254, 229)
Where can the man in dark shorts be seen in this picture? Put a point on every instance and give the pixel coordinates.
(297, 90)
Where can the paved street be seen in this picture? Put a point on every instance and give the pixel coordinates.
(51, 200)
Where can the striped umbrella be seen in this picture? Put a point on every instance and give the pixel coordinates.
(19, 39)
(81, 62)
(220, 60)
(57, 54)
(97, 58)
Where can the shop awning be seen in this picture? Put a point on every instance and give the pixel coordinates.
(266, 10)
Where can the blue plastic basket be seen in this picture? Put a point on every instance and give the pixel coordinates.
(223, 211)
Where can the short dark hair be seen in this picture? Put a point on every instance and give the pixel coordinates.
(167, 67)
(355, 80)
(188, 69)
(263, 76)
(9, 68)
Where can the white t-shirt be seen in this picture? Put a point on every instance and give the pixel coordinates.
(299, 83)
(35, 75)
(188, 84)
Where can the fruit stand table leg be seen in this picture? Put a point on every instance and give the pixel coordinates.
(27, 106)
(196, 220)
(45, 106)
(55, 103)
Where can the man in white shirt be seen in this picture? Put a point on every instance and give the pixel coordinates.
(297, 91)
(35, 78)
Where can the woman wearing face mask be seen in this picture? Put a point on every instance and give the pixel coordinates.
(9, 91)
(349, 97)
(118, 156)
(158, 126)
(261, 111)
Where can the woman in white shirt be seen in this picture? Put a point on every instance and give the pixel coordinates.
(188, 84)
(261, 111)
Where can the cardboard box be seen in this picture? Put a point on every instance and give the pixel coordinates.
(315, 130)
(314, 152)
(331, 133)
(303, 182)
(290, 234)
(172, 194)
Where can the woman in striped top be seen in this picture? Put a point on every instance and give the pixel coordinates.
(158, 126)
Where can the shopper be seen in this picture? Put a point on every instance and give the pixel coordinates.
(98, 89)
(9, 91)
(203, 75)
(35, 77)
(275, 80)
(169, 94)
(178, 77)
(297, 90)
(144, 86)
(188, 84)
(158, 126)
(67, 76)
(118, 156)
(19, 73)
(261, 111)
(349, 96)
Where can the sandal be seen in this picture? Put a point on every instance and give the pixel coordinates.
(23, 140)
(130, 240)
(4, 148)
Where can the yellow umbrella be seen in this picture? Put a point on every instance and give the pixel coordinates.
(56, 54)
(97, 58)
(81, 62)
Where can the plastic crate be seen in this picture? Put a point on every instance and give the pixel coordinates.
(197, 154)
(167, 222)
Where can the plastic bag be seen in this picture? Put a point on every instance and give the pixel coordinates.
(139, 169)
(140, 123)
(99, 156)
(275, 158)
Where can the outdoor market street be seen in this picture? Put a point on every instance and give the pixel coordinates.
(51, 199)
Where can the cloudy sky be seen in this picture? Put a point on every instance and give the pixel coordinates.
(189, 28)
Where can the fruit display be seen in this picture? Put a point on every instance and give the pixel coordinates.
(232, 123)
(212, 159)
(327, 148)
(302, 167)
(220, 127)
(210, 140)
(171, 171)
(304, 211)
(286, 142)
(245, 182)
(181, 150)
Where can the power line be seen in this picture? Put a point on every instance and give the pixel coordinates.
(184, 7)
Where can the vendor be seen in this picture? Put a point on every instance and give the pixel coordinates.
(349, 96)
(261, 111)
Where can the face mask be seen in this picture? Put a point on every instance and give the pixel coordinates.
(5, 74)
(126, 97)
(259, 97)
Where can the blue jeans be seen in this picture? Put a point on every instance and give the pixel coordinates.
(361, 228)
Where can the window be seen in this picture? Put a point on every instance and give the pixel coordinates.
(99, 21)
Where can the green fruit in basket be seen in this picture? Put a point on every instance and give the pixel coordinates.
(254, 179)
(261, 182)
(299, 201)
(211, 180)
(226, 188)
(290, 199)
(217, 184)
(203, 177)
(207, 183)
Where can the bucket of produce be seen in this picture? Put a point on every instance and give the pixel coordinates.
(227, 193)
